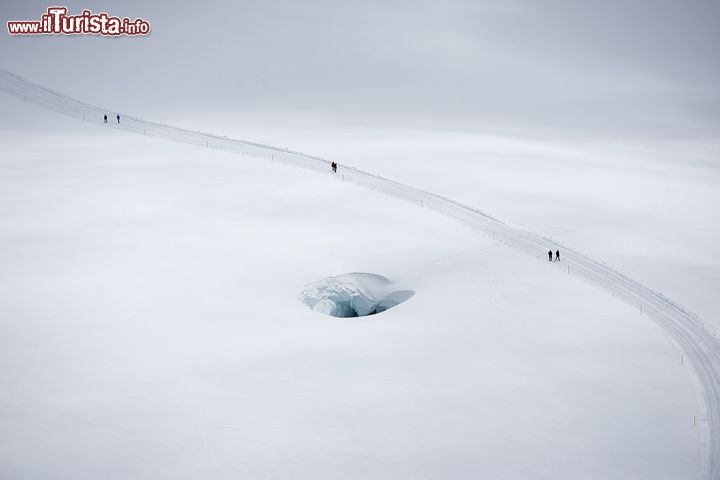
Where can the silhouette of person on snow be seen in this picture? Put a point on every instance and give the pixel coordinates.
(118, 117)
(557, 255)
(550, 255)
(105, 118)
(333, 165)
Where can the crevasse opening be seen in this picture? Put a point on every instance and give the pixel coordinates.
(352, 295)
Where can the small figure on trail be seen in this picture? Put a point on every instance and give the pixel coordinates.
(557, 255)
(118, 117)
(105, 118)
(333, 165)
(550, 255)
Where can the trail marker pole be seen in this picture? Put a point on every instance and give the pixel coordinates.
(641, 310)
(568, 269)
(694, 421)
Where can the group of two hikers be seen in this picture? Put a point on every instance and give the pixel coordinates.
(105, 118)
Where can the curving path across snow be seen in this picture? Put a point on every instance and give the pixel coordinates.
(695, 338)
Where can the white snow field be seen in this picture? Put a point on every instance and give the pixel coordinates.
(150, 325)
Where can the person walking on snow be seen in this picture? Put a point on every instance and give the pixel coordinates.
(333, 165)
(105, 118)
(118, 117)
(550, 255)
(557, 255)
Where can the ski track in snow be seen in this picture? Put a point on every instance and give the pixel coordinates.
(695, 338)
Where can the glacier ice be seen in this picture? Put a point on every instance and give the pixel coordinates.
(352, 295)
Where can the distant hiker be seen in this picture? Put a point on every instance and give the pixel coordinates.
(550, 255)
(333, 165)
(105, 118)
(118, 117)
(557, 255)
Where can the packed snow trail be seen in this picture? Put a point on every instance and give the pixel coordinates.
(698, 343)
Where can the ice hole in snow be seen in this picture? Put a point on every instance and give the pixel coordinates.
(352, 295)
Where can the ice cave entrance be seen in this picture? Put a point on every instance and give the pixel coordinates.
(353, 295)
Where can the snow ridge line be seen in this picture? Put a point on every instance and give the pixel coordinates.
(695, 338)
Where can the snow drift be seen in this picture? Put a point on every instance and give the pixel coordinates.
(352, 295)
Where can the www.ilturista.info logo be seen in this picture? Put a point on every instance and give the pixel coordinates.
(57, 22)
